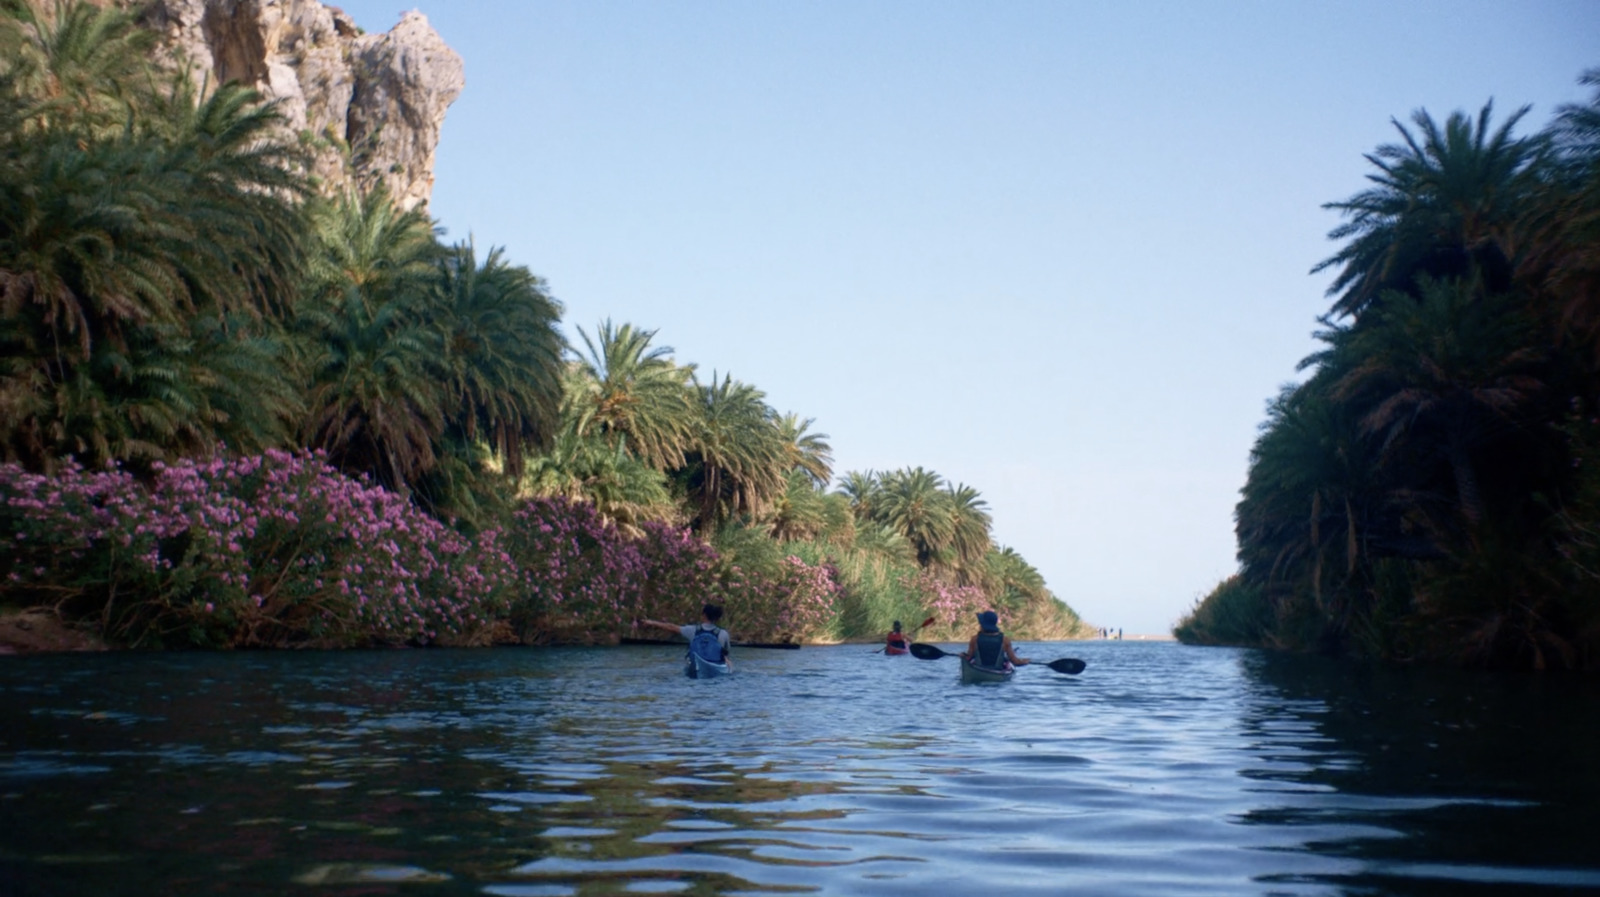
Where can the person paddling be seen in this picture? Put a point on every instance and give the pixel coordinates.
(990, 648)
(706, 639)
(896, 640)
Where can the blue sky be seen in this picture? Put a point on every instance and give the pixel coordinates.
(1056, 251)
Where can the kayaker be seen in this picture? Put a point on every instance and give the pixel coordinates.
(709, 615)
(897, 639)
(990, 646)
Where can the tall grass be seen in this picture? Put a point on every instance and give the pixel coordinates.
(1234, 613)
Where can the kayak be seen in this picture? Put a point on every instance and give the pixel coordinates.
(891, 649)
(971, 673)
(698, 667)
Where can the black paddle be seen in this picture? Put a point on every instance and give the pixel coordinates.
(918, 629)
(1072, 666)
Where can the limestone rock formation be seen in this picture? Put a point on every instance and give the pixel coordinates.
(370, 106)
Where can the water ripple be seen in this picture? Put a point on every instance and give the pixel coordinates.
(1161, 770)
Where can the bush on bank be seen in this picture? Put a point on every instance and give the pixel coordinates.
(282, 550)
(276, 549)
(584, 579)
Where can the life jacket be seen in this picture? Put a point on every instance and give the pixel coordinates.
(897, 640)
(991, 651)
(707, 644)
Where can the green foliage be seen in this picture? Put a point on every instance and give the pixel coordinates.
(632, 394)
(146, 236)
(1421, 496)
(875, 590)
(738, 459)
(170, 290)
(1234, 613)
(622, 489)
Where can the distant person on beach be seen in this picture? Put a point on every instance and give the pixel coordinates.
(990, 646)
(897, 639)
(702, 635)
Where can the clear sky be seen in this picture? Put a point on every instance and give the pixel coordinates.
(1057, 251)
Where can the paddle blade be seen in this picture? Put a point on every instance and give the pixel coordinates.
(926, 652)
(927, 622)
(1069, 665)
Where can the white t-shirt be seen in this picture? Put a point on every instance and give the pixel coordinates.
(722, 634)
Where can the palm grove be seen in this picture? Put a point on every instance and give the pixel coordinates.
(189, 326)
(1432, 489)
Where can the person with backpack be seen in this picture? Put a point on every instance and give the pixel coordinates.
(990, 648)
(706, 639)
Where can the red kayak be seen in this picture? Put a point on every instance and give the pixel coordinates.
(892, 649)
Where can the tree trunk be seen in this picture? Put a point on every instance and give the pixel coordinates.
(1466, 483)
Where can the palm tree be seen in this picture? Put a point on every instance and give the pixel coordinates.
(376, 405)
(1313, 506)
(107, 235)
(969, 531)
(807, 451)
(913, 501)
(1010, 579)
(1453, 364)
(861, 488)
(377, 402)
(622, 488)
(81, 67)
(1569, 209)
(737, 461)
(370, 251)
(1447, 202)
(801, 511)
(502, 351)
(635, 394)
(143, 234)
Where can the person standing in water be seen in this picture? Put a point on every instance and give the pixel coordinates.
(709, 615)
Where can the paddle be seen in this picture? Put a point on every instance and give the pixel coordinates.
(1072, 666)
(918, 629)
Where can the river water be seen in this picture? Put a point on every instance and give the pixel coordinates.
(1161, 770)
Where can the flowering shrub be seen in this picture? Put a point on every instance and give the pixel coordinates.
(280, 549)
(576, 571)
(680, 573)
(793, 602)
(582, 577)
(274, 549)
(953, 607)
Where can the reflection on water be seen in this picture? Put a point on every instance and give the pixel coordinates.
(522, 773)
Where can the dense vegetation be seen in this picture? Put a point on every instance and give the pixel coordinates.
(237, 412)
(1431, 491)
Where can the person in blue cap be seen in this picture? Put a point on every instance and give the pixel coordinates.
(991, 647)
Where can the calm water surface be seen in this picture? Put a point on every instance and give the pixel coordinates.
(1161, 770)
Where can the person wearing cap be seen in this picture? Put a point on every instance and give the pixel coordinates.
(896, 639)
(991, 647)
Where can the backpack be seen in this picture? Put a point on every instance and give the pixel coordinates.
(707, 645)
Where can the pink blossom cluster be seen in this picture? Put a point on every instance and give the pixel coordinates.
(582, 574)
(272, 549)
(954, 606)
(795, 601)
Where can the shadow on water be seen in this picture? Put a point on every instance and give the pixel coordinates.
(1163, 770)
(1464, 782)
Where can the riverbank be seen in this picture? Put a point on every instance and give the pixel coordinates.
(37, 630)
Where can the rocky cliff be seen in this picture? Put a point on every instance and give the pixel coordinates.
(369, 106)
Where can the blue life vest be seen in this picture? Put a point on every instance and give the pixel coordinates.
(707, 645)
(991, 651)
